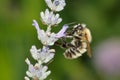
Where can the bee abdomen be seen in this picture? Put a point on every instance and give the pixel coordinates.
(72, 53)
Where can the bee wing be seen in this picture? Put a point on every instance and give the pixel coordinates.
(88, 47)
(89, 50)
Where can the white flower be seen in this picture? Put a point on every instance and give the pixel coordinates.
(56, 5)
(43, 55)
(49, 18)
(37, 72)
(48, 38)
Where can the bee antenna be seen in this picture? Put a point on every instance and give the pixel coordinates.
(71, 23)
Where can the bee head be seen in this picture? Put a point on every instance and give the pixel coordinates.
(79, 27)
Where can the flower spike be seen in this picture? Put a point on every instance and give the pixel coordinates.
(56, 5)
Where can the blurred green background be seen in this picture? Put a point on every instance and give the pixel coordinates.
(17, 35)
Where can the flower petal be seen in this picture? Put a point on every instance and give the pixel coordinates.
(49, 3)
(58, 5)
(35, 24)
(26, 78)
(42, 15)
(27, 61)
(59, 20)
(29, 74)
(61, 33)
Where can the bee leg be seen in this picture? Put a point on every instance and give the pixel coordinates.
(69, 33)
(60, 42)
(67, 44)
(64, 44)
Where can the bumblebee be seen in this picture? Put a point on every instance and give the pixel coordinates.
(81, 38)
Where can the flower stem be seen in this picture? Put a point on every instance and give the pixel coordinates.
(48, 29)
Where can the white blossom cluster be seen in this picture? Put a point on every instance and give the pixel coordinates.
(40, 71)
